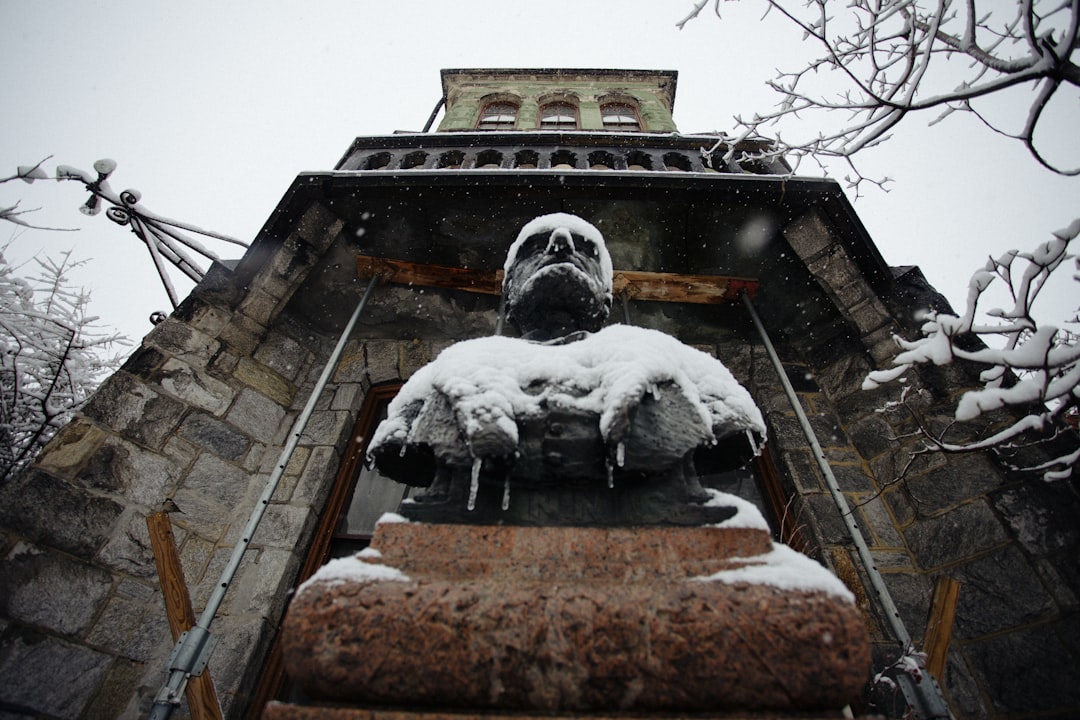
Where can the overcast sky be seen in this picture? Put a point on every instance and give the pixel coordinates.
(211, 109)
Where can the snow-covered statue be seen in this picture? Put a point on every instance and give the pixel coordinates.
(570, 424)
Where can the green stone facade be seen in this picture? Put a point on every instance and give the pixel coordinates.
(650, 92)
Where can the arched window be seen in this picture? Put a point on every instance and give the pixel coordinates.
(620, 117)
(498, 116)
(558, 116)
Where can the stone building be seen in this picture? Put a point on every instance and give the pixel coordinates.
(981, 563)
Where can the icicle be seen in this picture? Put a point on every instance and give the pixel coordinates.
(610, 473)
(506, 494)
(474, 486)
(620, 454)
(403, 447)
(753, 442)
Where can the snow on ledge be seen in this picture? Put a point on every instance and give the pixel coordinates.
(389, 518)
(746, 514)
(352, 569)
(785, 569)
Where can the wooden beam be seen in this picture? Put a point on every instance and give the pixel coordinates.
(202, 698)
(939, 626)
(652, 286)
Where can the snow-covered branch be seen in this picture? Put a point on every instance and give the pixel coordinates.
(1036, 370)
(880, 62)
(51, 358)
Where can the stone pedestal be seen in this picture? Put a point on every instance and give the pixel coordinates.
(475, 619)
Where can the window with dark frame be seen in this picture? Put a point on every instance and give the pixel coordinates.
(558, 116)
(498, 116)
(620, 117)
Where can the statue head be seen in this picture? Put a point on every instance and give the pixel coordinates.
(558, 276)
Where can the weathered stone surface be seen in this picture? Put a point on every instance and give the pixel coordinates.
(133, 408)
(1027, 671)
(55, 513)
(129, 549)
(949, 537)
(852, 478)
(266, 381)
(911, 593)
(881, 524)
(212, 491)
(962, 690)
(71, 448)
(111, 700)
(284, 355)
(133, 622)
(961, 478)
(194, 387)
(219, 438)
(284, 525)
(282, 711)
(256, 414)
(183, 341)
(1041, 515)
(122, 467)
(871, 436)
(827, 519)
(808, 235)
(50, 590)
(999, 591)
(572, 619)
(48, 676)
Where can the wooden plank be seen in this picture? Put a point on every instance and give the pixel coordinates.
(939, 626)
(651, 286)
(202, 698)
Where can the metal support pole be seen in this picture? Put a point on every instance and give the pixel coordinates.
(892, 614)
(192, 652)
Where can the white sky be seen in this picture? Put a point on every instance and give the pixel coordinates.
(211, 109)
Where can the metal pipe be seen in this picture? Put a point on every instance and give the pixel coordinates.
(928, 698)
(194, 647)
(431, 117)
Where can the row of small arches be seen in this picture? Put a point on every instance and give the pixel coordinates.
(530, 159)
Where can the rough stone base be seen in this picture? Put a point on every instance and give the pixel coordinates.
(279, 711)
(554, 620)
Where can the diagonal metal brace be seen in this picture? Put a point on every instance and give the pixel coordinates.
(192, 651)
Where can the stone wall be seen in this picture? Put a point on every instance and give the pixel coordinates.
(198, 413)
(1008, 537)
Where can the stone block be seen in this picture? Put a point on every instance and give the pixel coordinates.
(900, 504)
(194, 387)
(352, 366)
(968, 530)
(1041, 515)
(827, 520)
(215, 436)
(264, 588)
(48, 676)
(904, 462)
(243, 642)
(912, 594)
(257, 415)
(382, 361)
(961, 689)
(961, 478)
(259, 305)
(51, 591)
(347, 396)
(543, 620)
(124, 468)
(183, 341)
(208, 319)
(210, 495)
(133, 622)
(284, 526)
(318, 226)
(181, 452)
(804, 471)
(331, 427)
(242, 335)
(413, 355)
(871, 436)
(891, 559)
(68, 452)
(129, 550)
(808, 235)
(1028, 671)
(265, 380)
(843, 377)
(55, 513)
(869, 316)
(135, 409)
(852, 478)
(880, 523)
(284, 355)
(315, 482)
(112, 699)
(1000, 591)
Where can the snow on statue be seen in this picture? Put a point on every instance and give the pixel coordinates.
(568, 406)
